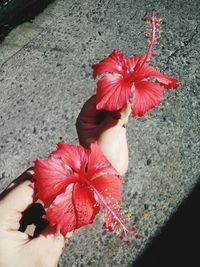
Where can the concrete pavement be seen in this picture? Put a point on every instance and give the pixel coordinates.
(45, 77)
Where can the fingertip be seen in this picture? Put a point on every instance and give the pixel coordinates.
(68, 237)
(116, 115)
(123, 114)
(126, 110)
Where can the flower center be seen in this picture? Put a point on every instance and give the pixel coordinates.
(82, 183)
(127, 75)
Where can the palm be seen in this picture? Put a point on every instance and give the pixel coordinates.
(16, 246)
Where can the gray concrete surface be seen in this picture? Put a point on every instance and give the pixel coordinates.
(45, 78)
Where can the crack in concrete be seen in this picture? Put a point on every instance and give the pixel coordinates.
(185, 44)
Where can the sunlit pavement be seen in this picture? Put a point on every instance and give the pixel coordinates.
(45, 77)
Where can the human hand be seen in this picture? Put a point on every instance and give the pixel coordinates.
(108, 129)
(19, 248)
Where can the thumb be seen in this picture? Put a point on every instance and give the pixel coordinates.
(113, 141)
(115, 121)
(15, 200)
(122, 115)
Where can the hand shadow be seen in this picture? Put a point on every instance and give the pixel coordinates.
(32, 222)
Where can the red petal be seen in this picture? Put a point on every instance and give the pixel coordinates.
(72, 155)
(72, 209)
(147, 96)
(113, 92)
(107, 190)
(167, 81)
(52, 176)
(115, 62)
(98, 163)
(164, 80)
(132, 62)
(108, 193)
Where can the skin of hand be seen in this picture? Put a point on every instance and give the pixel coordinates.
(108, 129)
(18, 248)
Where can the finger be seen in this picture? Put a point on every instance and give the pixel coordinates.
(91, 123)
(123, 114)
(50, 232)
(88, 115)
(126, 111)
(27, 175)
(116, 120)
(113, 141)
(115, 149)
(50, 244)
(14, 203)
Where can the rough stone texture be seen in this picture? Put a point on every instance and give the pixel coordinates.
(45, 78)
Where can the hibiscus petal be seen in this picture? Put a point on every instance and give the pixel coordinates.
(115, 62)
(52, 176)
(98, 163)
(113, 92)
(72, 155)
(167, 81)
(147, 96)
(147, 71)
(72, 209)
(134, 61)
(107, 190)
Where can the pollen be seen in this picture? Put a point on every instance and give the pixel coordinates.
(153, 23)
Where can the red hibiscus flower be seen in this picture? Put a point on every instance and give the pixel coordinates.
(74, 183)
(126, 79)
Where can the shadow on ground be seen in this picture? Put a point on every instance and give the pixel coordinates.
(178, 244)
(15, 12)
